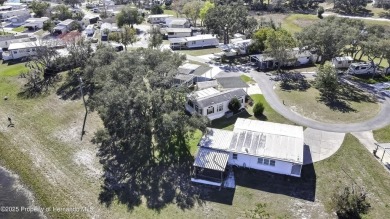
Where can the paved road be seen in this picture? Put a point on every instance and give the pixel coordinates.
(355, 17)
(266, 85)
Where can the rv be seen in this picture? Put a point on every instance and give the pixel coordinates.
(362, 68)
(90, 30)
(342, 62)
(176, 32)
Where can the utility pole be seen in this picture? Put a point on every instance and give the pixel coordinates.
(86, 110)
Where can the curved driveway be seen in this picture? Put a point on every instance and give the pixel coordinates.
(266, 85)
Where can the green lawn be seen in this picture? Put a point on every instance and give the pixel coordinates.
(246, 79)
(351, 106)
(295, 22)
(19, 29)
(345, 168)
(382, 135)
(200, 52)
(269, 115)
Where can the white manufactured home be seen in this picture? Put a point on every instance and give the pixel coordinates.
(21, 50)
(7, 40)
(213, 103)
(342, 62)
(266, 146)
(64, 27)
(177, 22)
(176, 32)
(35, 23)
(7, 15)
(194, 42)
(158, 18)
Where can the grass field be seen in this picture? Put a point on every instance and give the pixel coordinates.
(19, 29)
(45, 150)
(295, 22)
(200, 52)
(382, 135)
(269, 115)
(246, 79)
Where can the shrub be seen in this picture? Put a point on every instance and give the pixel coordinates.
(258, 109)
(234, 105)
(157, 10)
(320, 11)
(349, 203)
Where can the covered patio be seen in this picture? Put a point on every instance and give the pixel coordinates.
(210, 166)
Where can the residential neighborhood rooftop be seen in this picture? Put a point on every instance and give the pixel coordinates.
(259, 138)
(209, 97)
(211, 159)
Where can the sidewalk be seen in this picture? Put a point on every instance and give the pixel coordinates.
(367, 139)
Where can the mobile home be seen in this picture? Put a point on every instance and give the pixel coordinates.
(342, 62)
(64, 27)
(158, 18)
(213, 103)
(176, 32)
(265, 146)
(4, 15)
(177, 23)
(199, 41)
(35, 23)
(20, 50)
(7, 40)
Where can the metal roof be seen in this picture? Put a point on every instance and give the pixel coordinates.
(260, 139)
(179, 21)
(204, 93)
(184, 77)
(219, 97)
(201, 37)
(201, 70)
(206, 84)
(177, 30)
(177, 40)
(66, 22)
(211, 159)
(232, 82)
(23, 45)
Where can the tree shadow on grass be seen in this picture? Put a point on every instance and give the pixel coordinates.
(293, 81)
(158, 184)
(340, 100)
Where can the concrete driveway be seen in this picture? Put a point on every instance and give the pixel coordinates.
(320, 145)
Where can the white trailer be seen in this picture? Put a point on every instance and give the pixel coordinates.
(176, 32)
(20, 50)
(342, 62)
(199, 41)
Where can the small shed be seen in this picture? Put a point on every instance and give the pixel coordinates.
(342, 62)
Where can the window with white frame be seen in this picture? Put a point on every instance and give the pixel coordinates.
(235, 156)
(210, 110)
(220, 108)
(265, 161)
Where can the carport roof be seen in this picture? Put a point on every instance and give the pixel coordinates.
(211, 159)
(232, 82)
